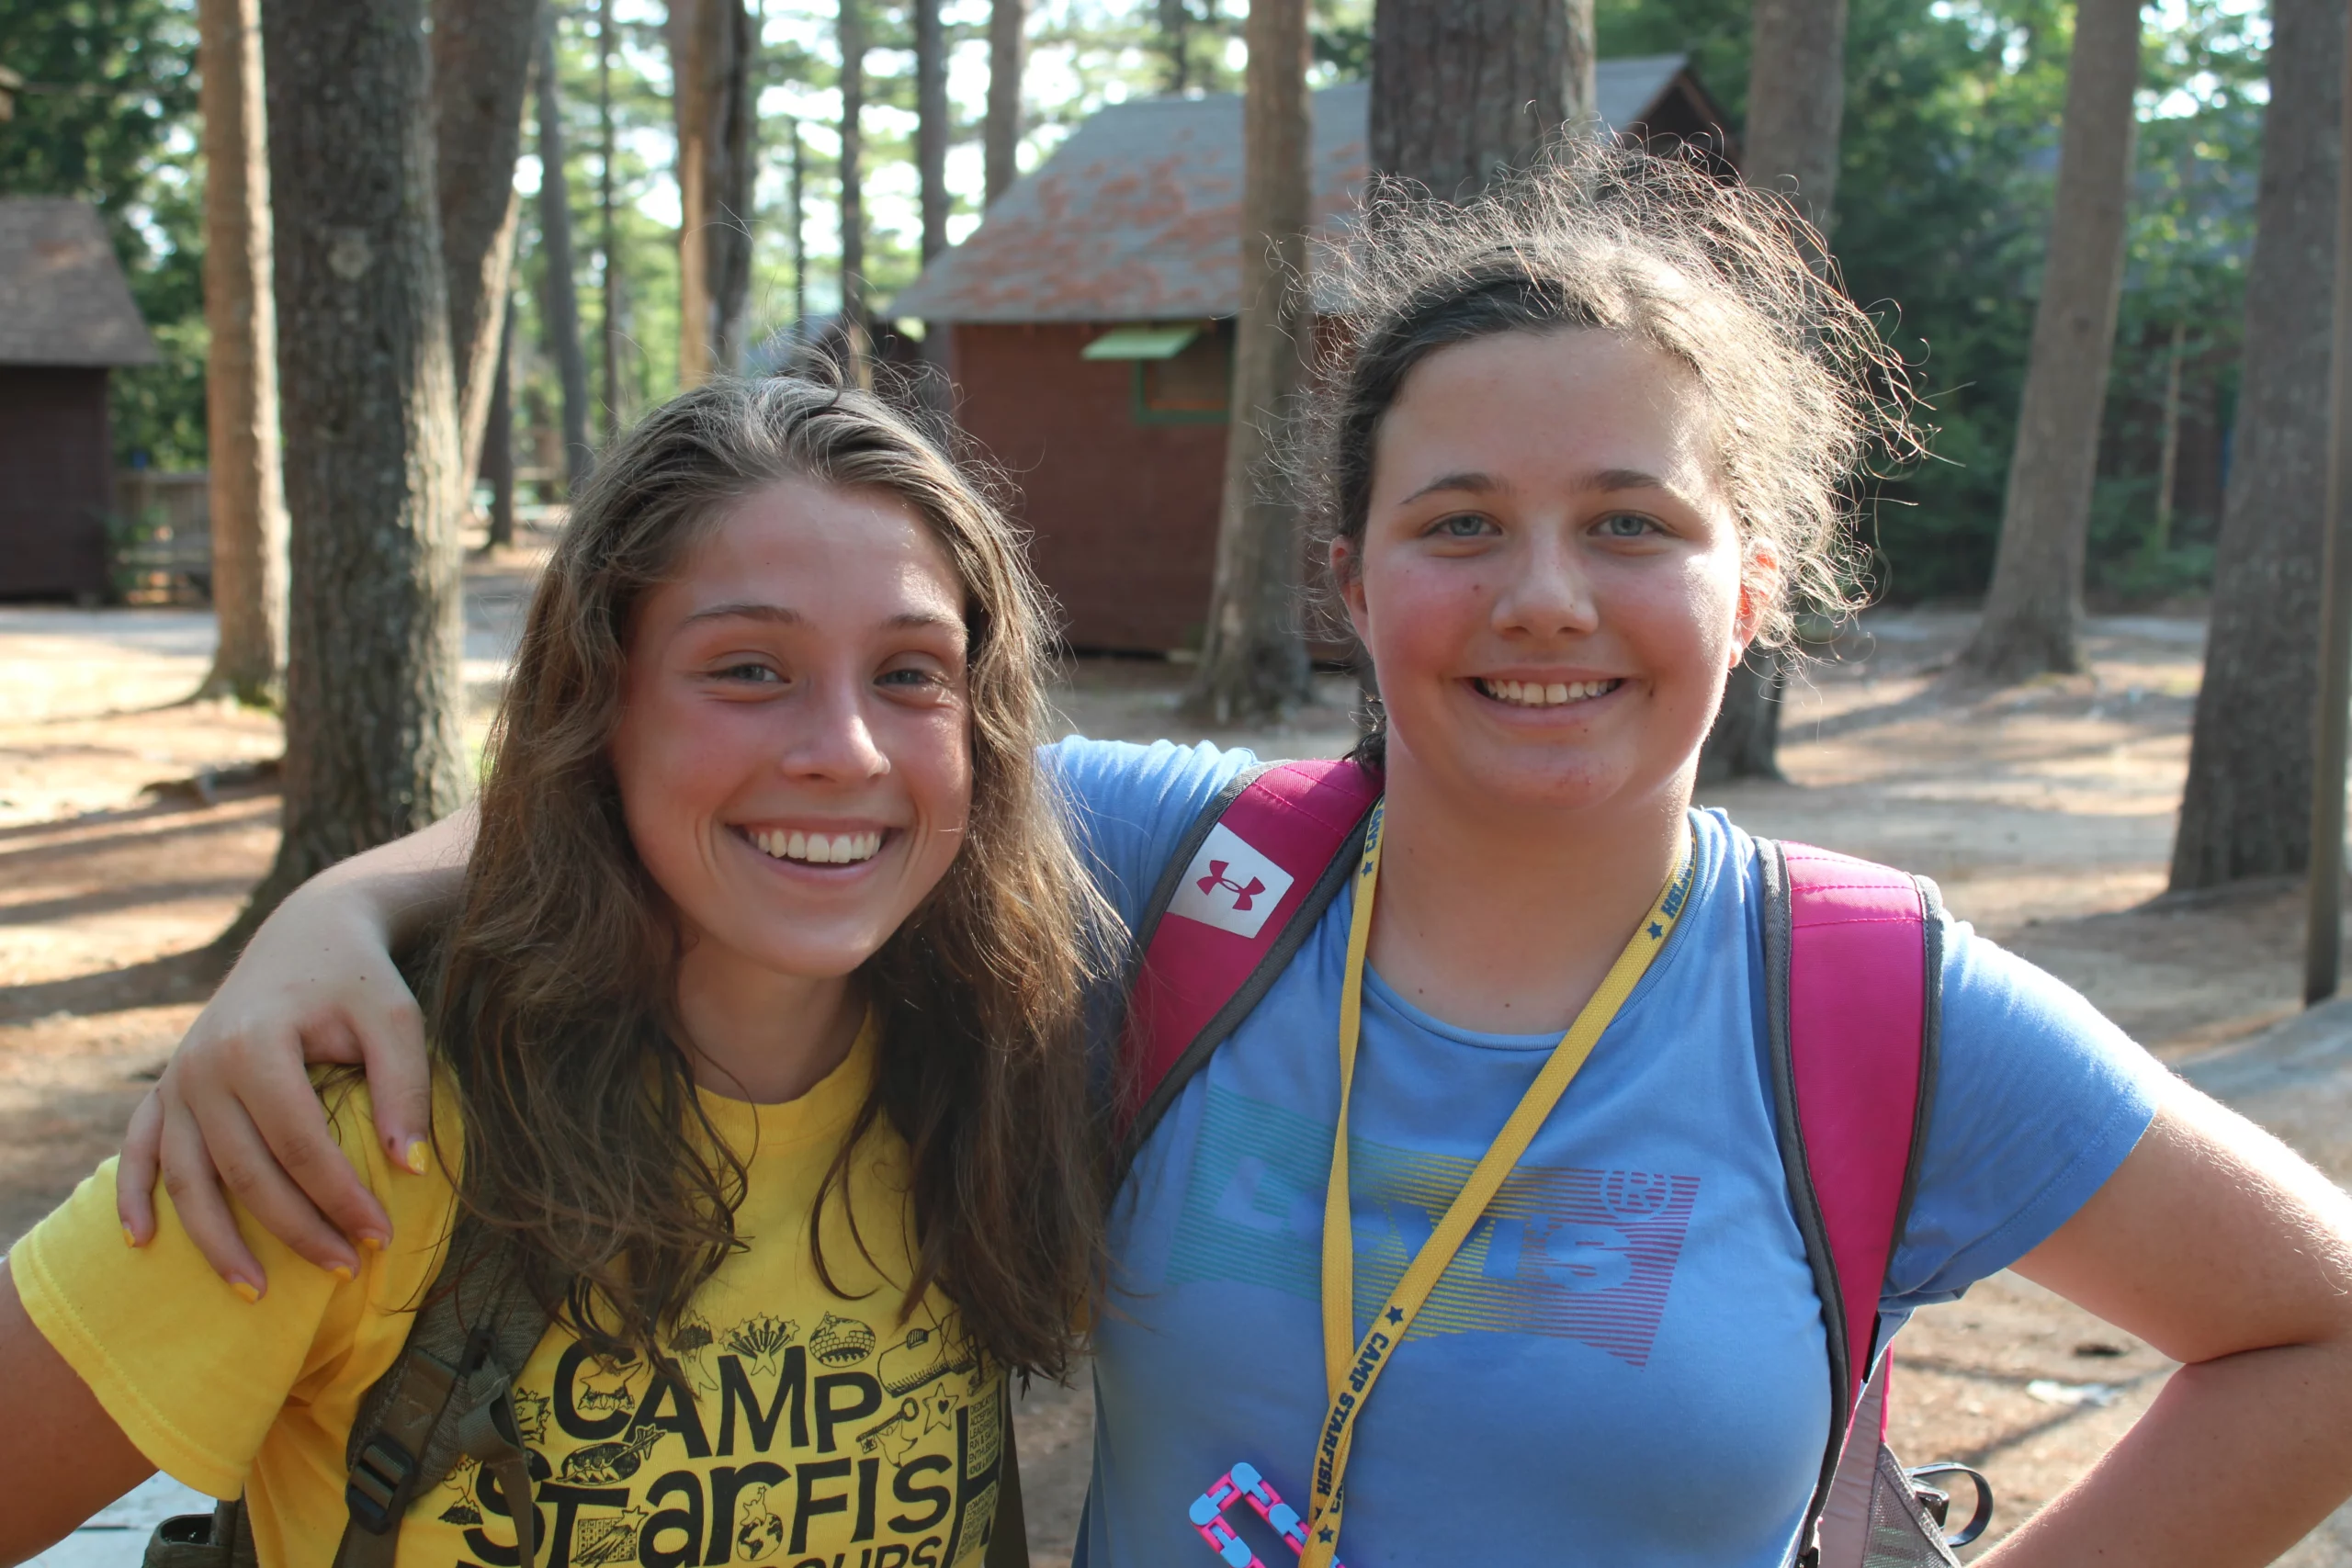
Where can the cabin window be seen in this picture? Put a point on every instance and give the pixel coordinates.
(1178, 373)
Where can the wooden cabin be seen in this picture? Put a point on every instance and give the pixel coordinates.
(66, 321)
(1089, 322)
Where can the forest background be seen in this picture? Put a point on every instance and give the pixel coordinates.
(1949, 157)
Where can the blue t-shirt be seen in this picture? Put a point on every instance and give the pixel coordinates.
(1625, 1363)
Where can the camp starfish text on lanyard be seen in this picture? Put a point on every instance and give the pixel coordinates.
(1351, 1368)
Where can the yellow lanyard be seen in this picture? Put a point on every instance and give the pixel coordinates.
(1350, 1377)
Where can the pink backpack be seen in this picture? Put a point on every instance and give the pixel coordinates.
(1853, 963)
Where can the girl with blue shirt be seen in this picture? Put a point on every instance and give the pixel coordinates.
(1586, 449)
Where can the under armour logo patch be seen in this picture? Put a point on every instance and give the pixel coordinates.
(1230, 884)
(1217, 879)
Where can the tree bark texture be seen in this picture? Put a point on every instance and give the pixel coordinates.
(2035, 605)
(374, 747)
(1465, 89)
(608, 328)
(2245, 811)
(711, 50)
(850, 35)
(1253, 662)
(1796, 101)
(1744, 741)
(932, 126)
(482, 53)
(248, 496)
(1000, 136)
(559, 285)
(498, 438)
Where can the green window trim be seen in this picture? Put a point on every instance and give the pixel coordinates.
(1139, 344)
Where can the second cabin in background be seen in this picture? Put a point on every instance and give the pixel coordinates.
(1089, 322)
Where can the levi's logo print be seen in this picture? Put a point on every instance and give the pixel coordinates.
(1570, 1253)
(1230, 884)
(834, 1445)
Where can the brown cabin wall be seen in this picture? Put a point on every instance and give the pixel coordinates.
(1124, 512)
(56, 482)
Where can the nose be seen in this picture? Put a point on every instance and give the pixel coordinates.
(1549, 592)
(832, 739)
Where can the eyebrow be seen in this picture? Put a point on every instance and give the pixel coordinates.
(778, 615)
(1475, 483)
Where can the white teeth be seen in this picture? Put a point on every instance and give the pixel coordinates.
(1539, 694)
(818, 848)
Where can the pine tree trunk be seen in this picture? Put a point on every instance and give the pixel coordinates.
(1796, 102)
(482, 51)
(1464, 89)
(498, 439)
(559, 287)
(374, 747)
(1000, 139)
(2247, 810)
(711, 50)
(611, 339)
(1253, 662)
(800, 198)
(248, 499)
(855, 350)
(2034, 608)
(1744, 741)
(932, 124)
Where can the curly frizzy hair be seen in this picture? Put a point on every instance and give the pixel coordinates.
(1655, 249)
(584, 1143)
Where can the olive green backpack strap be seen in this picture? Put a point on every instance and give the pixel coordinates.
(217, 1539)
(447, 1397)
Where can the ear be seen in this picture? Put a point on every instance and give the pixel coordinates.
(1761, 584)
(1345, 563)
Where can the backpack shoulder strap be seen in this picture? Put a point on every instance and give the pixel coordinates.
(1853, 965)
(448, 1396)
(1246, 884)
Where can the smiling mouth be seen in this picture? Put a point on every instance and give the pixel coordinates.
(816, 848)
(1541, 694)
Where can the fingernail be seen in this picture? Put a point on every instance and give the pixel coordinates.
(343, 1271)
(129, 1238)
(370, 1242)
(248, 1293)
(416, 1156)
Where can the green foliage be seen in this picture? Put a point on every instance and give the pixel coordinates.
(1949, 157)
(109, 115)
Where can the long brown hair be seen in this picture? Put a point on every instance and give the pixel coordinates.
(584, 1143)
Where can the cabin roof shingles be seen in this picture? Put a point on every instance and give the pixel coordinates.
(64, 300)
(1136, 217)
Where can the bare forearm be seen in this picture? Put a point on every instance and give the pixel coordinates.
(2237, 1460)
(402, 888)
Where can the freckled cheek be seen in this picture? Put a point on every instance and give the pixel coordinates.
(1420, 617)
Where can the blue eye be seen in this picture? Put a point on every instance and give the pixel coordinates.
(1626, 525)
(748, 672)
(1461, 525)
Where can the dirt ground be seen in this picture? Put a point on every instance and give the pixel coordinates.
(2044, 812)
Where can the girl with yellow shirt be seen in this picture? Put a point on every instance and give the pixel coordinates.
(764, 1088)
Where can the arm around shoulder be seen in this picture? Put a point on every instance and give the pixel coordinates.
(234, 1108)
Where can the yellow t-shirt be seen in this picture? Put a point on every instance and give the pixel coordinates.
(816, 1432)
